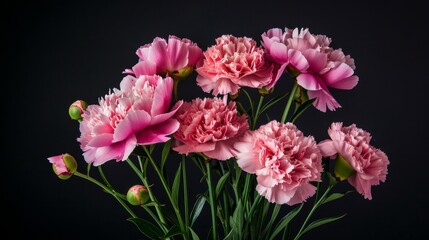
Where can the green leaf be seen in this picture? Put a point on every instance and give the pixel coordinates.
(193, 234)
(301, 109)
(332, 179)
(165, 152)
(176, 184)
(173, 231)
(221, 183)
(335, 196)
(250, 101)
(147, 228)
(196, 210)
(320, 222)
(283, 223)
(273, 101)
(237, 220)
(274, 214)
(229, 236)
(151, 204)
(151, 148)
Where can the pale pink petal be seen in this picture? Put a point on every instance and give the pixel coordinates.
(101, 140)
(202, 147)
(221, 86)
(177, 54)
(346, 83)
(297, 60)
(223, 150)
(323, 99)
(266, 181)
(302, 193)
(162, 97)
(146, 67)
(327, 148)
(279, 53)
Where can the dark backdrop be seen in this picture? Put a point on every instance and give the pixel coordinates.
(58, 52)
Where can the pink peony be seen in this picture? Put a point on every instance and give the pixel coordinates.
(352, 143)
(161, 57)
(136, 114)
(209, 126)
(284, 160)
(233, 63)
(318, 66)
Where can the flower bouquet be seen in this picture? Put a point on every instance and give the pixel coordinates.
(252, 165)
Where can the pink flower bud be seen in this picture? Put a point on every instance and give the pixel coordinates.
(76, 109)
(137, 195)
(64, 165)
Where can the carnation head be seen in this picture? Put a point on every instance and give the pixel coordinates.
(352, 145)
(209, 126)
(232, 63)
(137, 114)
(284, 160)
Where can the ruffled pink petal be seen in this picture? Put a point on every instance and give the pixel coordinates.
(337, 74)
(309, 81)
(275, 194)
(347, 83)
(177, 53)
(327, 148)
(162, 97)
(186, 149)
(302, 193)
(362, 186)
(266, 180)
(316, 60)
(298, 60)
(221, 86)
(101, 140)
(157, 133)
(223, 150)
(323, 99)
(133, 122)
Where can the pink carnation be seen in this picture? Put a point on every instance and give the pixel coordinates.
(209, 126)
(352, 144)
(136, 114)
(319, 66)
(233, 63)
(161, 57)
(284, 160)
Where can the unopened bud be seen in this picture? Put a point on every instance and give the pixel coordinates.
(64, 165)
(76, 109)
(137, 195)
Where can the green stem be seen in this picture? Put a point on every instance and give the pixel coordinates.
(212, 200)
(185, 192)
(315, 206)
(289, 102)
(167, 190)
(100, 170)
(175, 90)
(151, 196)
(157, 220)
(108, 190)
(258, 109)
(226, 202)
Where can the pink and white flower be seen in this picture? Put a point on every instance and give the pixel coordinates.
(137, 114)
(209, 126)
(352, 144)
(284, 160)
(232, 63)
(162, 57)
(316, 64)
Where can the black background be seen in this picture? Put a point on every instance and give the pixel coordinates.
(57, 52)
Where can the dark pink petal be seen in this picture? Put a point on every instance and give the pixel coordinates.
(309, 81)
(177, 54)
(158, 53)
(130, 145)
(346, 83)
(132, 123)
(316, 60)
(323, 99)
(297, 60)
(157, 133)
(195, 55)
(337, 74)
(165, 116)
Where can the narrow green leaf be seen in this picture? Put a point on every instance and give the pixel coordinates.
(274, 214)
(237, 220)
(301, 109)
(320, 222)
(229, 236)
(193, 234)
(196, 210)
(332, 179)
(173, 231)
(176, 184)
(165, 152)
(273, 101)
(151, 204)
(250, 101)
(221, 183)
(283, 223)
(151, 148)
(147, 228)
(335, 196)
